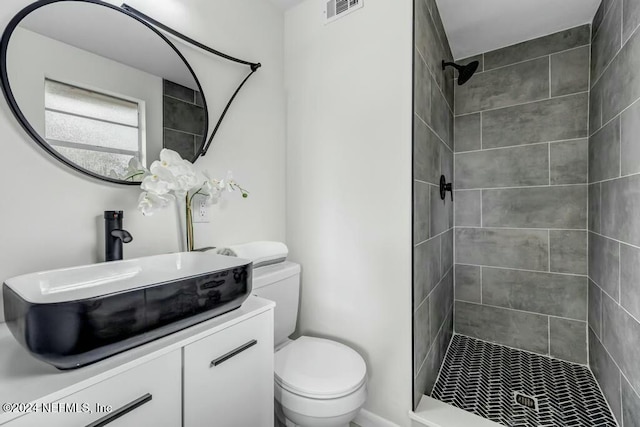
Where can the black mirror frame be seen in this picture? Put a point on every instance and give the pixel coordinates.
(8, 93)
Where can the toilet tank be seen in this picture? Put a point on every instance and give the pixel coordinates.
(280, 283)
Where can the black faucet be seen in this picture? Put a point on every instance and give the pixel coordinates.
(114, 235)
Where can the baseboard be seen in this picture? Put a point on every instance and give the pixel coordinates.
(369, 419)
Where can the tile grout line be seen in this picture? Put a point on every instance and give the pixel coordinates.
(619, 274)
(629, 382)
(434, 79)
(433, 131)
(535, 313)
(588, 317)
(594, 35)
(445, 353)
(426, 298)
(588, 125)
(523, 350)
(481, 268)
(600, 207)
(600, 308)
(519, 187)
(523, 145)
(481, 132)
(426, 183)
(615, 362)
(447, 50)
(622, 42)
(549, 248)
(621, 401)
(527, 60)
(614, 240)
(524, 270)
(598, 382)
(523, 103)
(603, 125)
(549, 165)
(616, 303)
(550, 77)
(481, 192)
(589, 106)
(522, 228)
(433, 344)
(620, 148)
(430, 238)
(618, 50)
(549, 335)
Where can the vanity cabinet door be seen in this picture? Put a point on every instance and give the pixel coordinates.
(228, 376)
(147, 395)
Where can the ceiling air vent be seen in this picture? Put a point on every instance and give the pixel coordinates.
(338, 8)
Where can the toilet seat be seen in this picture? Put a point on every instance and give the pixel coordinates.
(317, 368)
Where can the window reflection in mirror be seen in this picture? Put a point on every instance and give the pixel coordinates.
(97, 131)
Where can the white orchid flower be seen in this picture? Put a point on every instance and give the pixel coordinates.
(135, 165)
(172, 161)
(227, 183)
(210, 188)
(231, 185)
(148, 203)
(177, 172)
(136, 170)
(159, 182)
(187, 181)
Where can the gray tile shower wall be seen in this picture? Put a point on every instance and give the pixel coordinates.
(522, 196)
(183, 119)
(614, 207)
(432, 217)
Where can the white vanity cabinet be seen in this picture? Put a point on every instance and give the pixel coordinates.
(218, 373)
(148, 394)
(227, 376)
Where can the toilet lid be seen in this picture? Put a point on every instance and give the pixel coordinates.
(319, 368)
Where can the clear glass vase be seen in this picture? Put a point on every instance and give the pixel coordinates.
(188, 218)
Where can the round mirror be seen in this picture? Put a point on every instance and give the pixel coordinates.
(97, 87)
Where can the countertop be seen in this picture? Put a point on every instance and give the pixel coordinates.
(24, 379)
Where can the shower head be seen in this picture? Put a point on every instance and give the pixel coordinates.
(464, 71)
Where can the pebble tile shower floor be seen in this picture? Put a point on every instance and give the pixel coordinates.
(483, 378)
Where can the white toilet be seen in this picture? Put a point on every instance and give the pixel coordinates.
(318, 382)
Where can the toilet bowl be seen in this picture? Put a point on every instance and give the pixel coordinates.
(317, 382)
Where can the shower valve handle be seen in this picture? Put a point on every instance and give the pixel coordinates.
(444, 187)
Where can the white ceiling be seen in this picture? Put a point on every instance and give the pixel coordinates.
(478, 26)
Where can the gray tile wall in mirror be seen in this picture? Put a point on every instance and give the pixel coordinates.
(614, 207)
(183, 119)
(433, 218)
(522, 196)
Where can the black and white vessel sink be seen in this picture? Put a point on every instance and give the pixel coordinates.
(76, 316)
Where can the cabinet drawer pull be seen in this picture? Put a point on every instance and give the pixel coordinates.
(122, 411)
(232, 353)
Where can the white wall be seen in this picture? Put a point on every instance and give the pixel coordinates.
(52, 217)
(349, 93)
